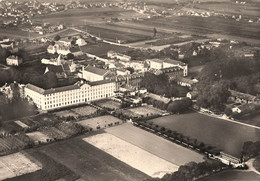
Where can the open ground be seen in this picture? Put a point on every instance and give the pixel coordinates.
(154, 144)
(17, 164)
(220, 133)
(132, 155)
(89, 162)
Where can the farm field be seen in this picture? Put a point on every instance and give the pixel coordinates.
(51, 170)
(108, 104)
(89, 162)
(213, 27)
(15, 165)
(232, 175)
(38, 136)
(154, 144)
(143, 111)
(101, 49)
(253, 119)
(101, 122)
(124, 151)
(220, 133)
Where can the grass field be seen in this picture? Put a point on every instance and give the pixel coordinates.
(154, 144)
(225, 135)
(15, 165)
(132, 155)
(256, 163)
(101, 49)
(38, 136)
(232, 175)
(108, 104)
(89, 162)
(143, 111)
(99, 122)
(84, 111)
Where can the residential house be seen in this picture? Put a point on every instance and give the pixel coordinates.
(81, 42)
(186, 82)
(76, 51)
(56, 61)
(122, 72)
(240, 97)
(119, 56)
(14, 60)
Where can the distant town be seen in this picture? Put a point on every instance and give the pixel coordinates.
(129, 90)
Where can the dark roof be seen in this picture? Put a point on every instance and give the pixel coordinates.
(75, 49)
(61, 89)
(100, 82)
(52, 90)
(35, 88)
(56, 69)
(176, 62)
(96, 70)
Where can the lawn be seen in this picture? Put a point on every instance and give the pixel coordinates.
(15, 165)
(132, 155)
(99, 122)
(108, 103)
(143, 111)
(225, 135)
(232, 175)
(101, 49)
(38, 136)
(84, 111)
(256, 163)
(154, 144)
(89, 162)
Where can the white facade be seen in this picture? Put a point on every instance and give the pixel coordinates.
(70, 95)
(156, 64)
(81, 42)
(13, 60)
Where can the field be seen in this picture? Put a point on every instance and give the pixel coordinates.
(15, 165)
(38, 137)
(89, 162)
(214, 27)
(143, 111)
(76, 112)
(222, 134)
(99, 122)
(125, 152)
(232, 175)
(110, 104)
(154, 144)
(101, 49)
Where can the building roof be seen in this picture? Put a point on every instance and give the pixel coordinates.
(75, 49)
(243, 95)
(159, 98)
(100, 82)
(156, 60)
(56, 69)
(174, 62)
(35, 88)
(96, 70)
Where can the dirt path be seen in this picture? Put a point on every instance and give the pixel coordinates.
(249, 163)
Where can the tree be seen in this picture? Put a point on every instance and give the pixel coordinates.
(154, 32)
(70, 56)
(57, 38)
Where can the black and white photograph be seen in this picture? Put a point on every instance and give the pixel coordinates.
(130, 90)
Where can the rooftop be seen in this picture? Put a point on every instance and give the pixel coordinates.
(95, 70)
(175, 62)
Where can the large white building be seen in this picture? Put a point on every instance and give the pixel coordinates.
(94, 74)
(13, 60)
(80, 92)
(168, 63)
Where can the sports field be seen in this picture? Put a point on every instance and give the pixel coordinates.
(154, 144)
(225, 135)
(132, 155)
(15, 165)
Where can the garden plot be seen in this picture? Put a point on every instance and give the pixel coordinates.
(143, 111)
(132, 155)
(110, 104)
(15, 165)
(66, 113)
(54, 133)
(99, 122)
(20, 123)
(84, 111)
(38, 136)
